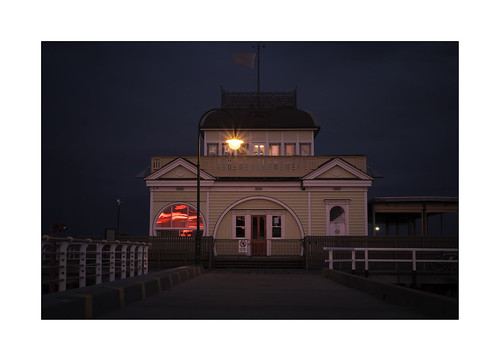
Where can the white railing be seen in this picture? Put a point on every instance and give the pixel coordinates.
(66, 260)
(449, 256)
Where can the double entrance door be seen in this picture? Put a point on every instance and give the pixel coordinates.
(259, 240)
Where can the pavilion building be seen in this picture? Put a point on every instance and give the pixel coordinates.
(270, 189)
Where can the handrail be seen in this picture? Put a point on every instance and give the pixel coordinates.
(61, 255)
(366, 258)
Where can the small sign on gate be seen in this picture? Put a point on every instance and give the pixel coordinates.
(243, 246)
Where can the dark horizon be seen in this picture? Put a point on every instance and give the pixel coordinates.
(108, 107)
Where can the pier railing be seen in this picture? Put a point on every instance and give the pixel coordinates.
(438, 258)
(163, 252)
(315, 253)
(72, 262)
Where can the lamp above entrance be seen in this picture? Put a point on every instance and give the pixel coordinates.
(234, 143)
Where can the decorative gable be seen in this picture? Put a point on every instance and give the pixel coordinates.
(337, 172)
(337, 169)
(179, 168)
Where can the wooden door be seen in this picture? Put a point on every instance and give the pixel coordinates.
(259, 241)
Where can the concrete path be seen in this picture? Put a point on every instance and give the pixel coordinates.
(262, 294)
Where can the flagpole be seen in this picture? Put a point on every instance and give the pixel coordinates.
(258, 74)
(258, 70)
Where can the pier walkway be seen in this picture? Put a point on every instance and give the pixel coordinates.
(263, 294)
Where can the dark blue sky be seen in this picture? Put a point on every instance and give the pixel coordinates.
(108, 107)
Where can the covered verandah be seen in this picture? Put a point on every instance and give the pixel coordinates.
(407, 211)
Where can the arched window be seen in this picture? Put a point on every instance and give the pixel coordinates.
(337, 214)
(177, 220)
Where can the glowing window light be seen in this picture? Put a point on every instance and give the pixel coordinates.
(177, 217)
(234, 143)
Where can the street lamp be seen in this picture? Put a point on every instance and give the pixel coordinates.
(119, 202)
(236, 143)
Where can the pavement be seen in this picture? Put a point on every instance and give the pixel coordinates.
(262, 294)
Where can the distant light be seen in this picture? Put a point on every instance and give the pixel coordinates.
(234, 143)
(377, 228)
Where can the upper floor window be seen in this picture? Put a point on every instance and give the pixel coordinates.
(274, 149)
(290, 149)
(243, 150)
(258, 149)
(305, 149)
(213, 149)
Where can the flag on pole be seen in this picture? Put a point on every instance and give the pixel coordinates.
(245, 59)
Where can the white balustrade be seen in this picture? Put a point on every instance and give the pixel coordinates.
(453, 259)
(70, 262)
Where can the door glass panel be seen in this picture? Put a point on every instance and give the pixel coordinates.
(255, 230)
(262, 223)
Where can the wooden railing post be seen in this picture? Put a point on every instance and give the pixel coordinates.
(123, 266)
(140, 249)
(98, 263)
(132, 260)
(145, 256)
(63, 270)
(82, 265)
(112, 260)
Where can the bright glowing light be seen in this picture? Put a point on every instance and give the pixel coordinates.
(377, 228)
(234, 143)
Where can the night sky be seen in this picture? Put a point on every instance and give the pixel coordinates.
(107, 107)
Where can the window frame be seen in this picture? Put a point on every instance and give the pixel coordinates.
(260, 146)
(294, 145)
(302, 144)
(344, 204)
(271, 146)
(217, 149)
(268, 213)
(188, 226)
(280, 227)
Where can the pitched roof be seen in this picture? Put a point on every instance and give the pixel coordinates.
(260, 119)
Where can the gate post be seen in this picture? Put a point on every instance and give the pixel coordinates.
(210, 250)
(305, 254)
